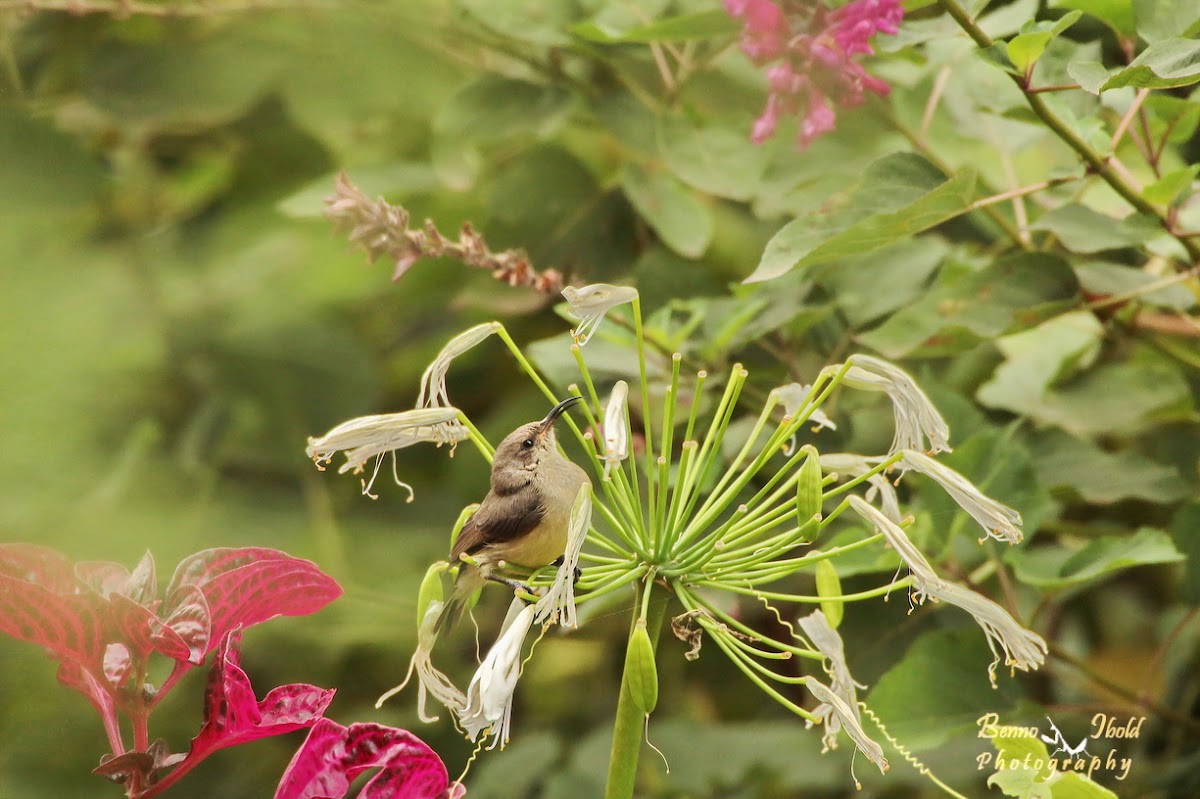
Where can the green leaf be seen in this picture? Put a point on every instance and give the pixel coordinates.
(901, 195)
(487, 110)
(46, 172)
(1158, 20)
(1116, 14)
(1100, 477)
(1090, 75)
(1100, 279)
(1166, 189)
(1057, 566)
(1165, 64)
(682, 222)
(940, 689)
(1020, 782)
(1185, 530)
(181, 82)
(713, 159)
(543, 24)
(1072, 785)
(875, 284)
(682, 28)
(1027, 47)
(492, 108)
(1080, 229)
(1035, 358)
(966, 306)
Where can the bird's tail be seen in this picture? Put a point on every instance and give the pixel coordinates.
(466, 591)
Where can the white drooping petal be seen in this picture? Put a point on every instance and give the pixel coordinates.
(433, 381)
(558, 604)
(922, 572)
(430, 680)
(829, 643)
(847, 463)
(997, 520)
(1023, 649)
(616, 426)
(489, 696)
(371, 437)
(591, 303)
(794, 396)
(916, 418)
(838, 715)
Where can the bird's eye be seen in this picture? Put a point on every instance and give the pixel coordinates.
(527, 443)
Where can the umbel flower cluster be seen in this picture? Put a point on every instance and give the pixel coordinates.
(811, 50)
(661, 523)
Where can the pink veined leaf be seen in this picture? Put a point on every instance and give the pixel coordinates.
(117, 665)
(142, 585)
(73, 676)
(232, 716)
(102, 576)
(70, 626)
(260, 591)
(143, 632)
(31, 563)
(333, 755)
(200, 567)
(247, 586)
(190, 622)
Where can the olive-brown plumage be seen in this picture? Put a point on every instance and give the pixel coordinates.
(524, 518)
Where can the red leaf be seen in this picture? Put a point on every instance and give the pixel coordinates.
(69, 626)
(143, 632)
(72, 675)
(102, 576)
(231, 714)
(333, 755)
(247, 586)
(31, 563)
(199, 568)
(191, 622)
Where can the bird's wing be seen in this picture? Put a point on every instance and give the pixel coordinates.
(499, 520)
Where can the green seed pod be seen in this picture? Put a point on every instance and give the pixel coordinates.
(431, 589)
(828, 584)
(808, 487)
(641, 669)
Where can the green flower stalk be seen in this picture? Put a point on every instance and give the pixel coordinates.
(680, 522)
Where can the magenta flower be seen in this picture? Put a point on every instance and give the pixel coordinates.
(103, 623)
(814, 47)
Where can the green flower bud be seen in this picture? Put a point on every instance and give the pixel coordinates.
(431, 589)
(641, 670)
(808, 487)
(465, 514)
(828, 584)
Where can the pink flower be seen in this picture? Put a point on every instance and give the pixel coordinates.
(764, 38)
(814, 48)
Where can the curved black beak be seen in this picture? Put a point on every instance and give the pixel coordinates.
(558, 411)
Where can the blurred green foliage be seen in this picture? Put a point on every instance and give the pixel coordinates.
(175, 319)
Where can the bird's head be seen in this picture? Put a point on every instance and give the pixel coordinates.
(524, 448)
